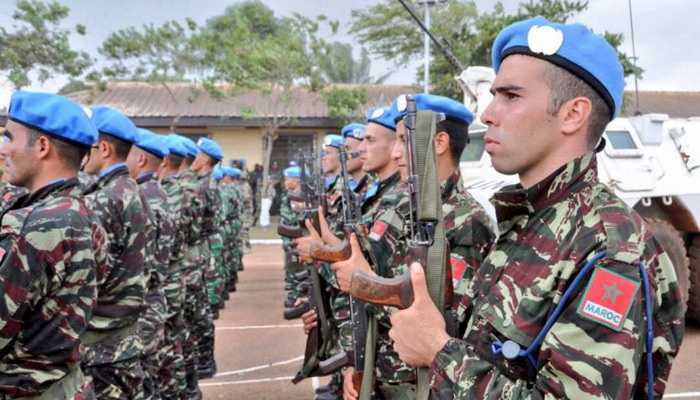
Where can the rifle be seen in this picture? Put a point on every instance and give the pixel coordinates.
(398, 291)
(352, 213)
(310, 199)
(289, 231)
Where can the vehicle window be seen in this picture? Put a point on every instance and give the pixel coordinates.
(474, 149)
(620, 140)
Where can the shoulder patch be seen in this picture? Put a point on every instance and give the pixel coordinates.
(608, 298)
(377, 231)
(458, 268)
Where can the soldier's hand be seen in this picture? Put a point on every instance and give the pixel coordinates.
(309, 319)
(303, 244)
(326, 234)
(419, 331)
(349, 391)
(344, 269)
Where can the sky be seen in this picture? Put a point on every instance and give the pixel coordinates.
(666, 33)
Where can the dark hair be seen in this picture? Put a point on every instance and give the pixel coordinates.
(565, 86)
(174, 160)
(121, 147)
(458, 132)
(211, 160)
(70, 153)
(188, 160)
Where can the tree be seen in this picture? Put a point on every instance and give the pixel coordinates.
(38, 44)
(338, 65)
(390, 32)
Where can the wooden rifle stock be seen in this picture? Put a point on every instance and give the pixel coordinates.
(332, 254)
(295, 195)
(289, 231)
(357, 380)
(312, 215)
(398, 291)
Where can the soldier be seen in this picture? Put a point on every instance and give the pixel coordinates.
(143, 161)
(172, 377)
(112, 344)
(48, 280)
(557, 309)
(209, 154)
(198, 318)
(289, 217)
(234, 248)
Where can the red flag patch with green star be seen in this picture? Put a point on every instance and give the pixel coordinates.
(608, 298)
(377, 231)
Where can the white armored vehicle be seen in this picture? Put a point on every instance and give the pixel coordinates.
(651, 161)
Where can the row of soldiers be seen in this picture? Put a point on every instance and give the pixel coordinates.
(573, 298)
(112, 263)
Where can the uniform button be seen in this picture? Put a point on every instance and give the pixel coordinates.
(507, 322)
(604, 196)
(484, 306)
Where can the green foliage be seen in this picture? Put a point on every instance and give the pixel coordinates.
(391, 33)
(38, 44)
(343, 103)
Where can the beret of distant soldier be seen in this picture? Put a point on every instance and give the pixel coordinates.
(572, 47)
(333, 141)
(53, 115)
(112, 122)
(292, 172)
(382, 116)
(152, 143)
(232, 171)
(210, 148)
(354, 130)
(175, 145)
(218, 172)
(191, 146)
(432, 102)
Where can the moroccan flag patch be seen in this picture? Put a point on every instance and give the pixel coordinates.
(377, 231)
(608, 298)
(458, 268)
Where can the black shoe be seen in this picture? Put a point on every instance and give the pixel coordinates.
(206, 371)
(226, 295)
(222, 305)
(215, 313)
(323, 389)
(289, 303)
(232, 288)
(289, 286)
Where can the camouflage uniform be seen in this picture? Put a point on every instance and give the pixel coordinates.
(548, 233)
(228, 208)
(112, 344)
(10, 193)
(211, 220)
(49, 287)
(234, 236)
(246, 193)
(290, 218)
(197, 316)
(171, 377)
(152, 322)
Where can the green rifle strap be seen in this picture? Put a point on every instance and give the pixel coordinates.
(370, 347)
(431, 210)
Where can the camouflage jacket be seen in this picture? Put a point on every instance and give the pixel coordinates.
(9, 194)
(246, 196)
(181, 214)
(164, 227)
(287, 215)
(51, 244)
(211, 216)
(116, 200)
(548, 233)
(193, 197)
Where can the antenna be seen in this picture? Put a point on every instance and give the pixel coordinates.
(634, 60)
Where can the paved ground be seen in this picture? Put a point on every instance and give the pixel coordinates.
(258, 352)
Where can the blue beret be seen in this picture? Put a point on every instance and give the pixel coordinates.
(232, 171)
(356, 131)
(292, 172)
(210, 148)
(382, 116)
(333, 141)
(53, 115)
(176, 145)
(115, 123)
(572, 47)
(191, 147)
(218, 172)
(152, 143)
(451, 108)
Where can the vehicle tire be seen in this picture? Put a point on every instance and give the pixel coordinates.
(672, 242)
(693, 312)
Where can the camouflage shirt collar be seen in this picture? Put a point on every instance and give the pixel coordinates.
(146, 176)
(449, 185)
(112, 173)
(44, 192)
(515, 200)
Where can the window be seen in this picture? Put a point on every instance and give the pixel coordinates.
(474, 149)
(621, 140)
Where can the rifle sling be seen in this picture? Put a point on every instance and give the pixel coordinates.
(431, 210)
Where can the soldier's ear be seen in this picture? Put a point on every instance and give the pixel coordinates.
(43, 147)
(442, 143)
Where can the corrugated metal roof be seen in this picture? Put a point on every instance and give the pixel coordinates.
(170, 99)
(675, 104)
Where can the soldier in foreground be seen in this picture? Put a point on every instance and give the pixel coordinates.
(112, 344)
(45, 304)
(557, 309)
(143, 161)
